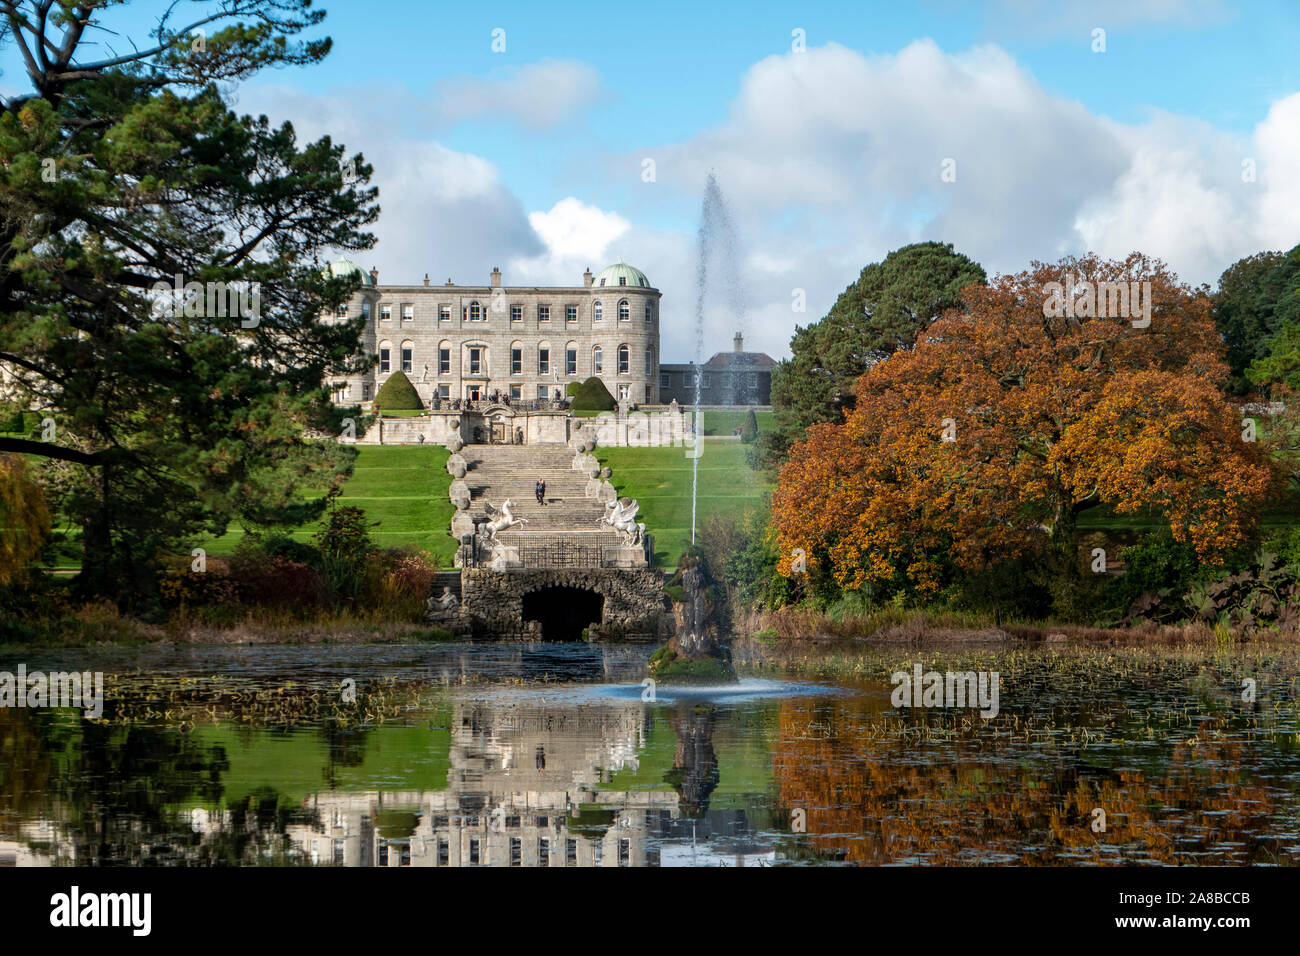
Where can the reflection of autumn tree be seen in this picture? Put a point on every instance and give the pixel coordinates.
(873, 796)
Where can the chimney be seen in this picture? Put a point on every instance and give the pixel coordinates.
(374, 275)
(449, 281)
(587, 278)
(739, 342)
(496, 277)
(426, 278)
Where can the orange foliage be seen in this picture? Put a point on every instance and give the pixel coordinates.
(1050, 415)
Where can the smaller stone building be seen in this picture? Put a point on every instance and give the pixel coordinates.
(729, 378)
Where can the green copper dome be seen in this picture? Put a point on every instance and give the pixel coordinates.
(621, 274)
(345, 267)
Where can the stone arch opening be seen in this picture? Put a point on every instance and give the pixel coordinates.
(564, 611)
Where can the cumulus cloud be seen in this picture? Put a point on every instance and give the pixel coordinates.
(830, 159)
(538, 96)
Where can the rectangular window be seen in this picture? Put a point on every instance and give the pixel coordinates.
(444, 852)
(365, 391)
(649, 362)
(408, 312)
(516, 392)
(383, 853)
(624, 851)
(570, 361)
(444, 361)
(543, 313)
(444, 313)
(473, 851)
(406, 360)
(365, 310)
(516, 313)
(544, 852)
(405, 858)
(385, 313)
(570, 852)
(383, 360)
(704, 380)
(476, 361)
(516, 851)
(544, 361)
(623, 361)
(597, 361)
(444, 392)
(751, 379)
(624, 392)
(665, 381)
(570, 313)
(338, 852)
(543, 393)
(516, 361)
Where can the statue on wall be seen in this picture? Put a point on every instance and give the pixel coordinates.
(502, 520)
(620, 514)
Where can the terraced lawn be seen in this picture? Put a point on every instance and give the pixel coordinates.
(660, 479)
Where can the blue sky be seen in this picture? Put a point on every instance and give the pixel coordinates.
(532, 158)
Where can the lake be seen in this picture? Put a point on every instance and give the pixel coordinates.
(560, 755)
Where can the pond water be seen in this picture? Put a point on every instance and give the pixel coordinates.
(559, 755)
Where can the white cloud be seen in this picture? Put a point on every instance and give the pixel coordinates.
(538, 96)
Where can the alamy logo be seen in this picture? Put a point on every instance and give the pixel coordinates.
(56, 689)
(212, 300)
(949, 689)
(74, 908)
(1103, 300)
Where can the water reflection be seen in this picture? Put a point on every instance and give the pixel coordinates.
(525, 757)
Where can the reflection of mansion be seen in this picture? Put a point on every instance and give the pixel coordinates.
(524, 789)
(522, 343)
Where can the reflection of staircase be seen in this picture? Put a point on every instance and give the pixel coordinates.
(498, 472)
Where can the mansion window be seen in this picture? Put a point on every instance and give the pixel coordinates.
(649, 312)
(622, 280)
(385, 313)
(624, 359)
(516, 313)
(408, 313)
(665, 380)
(597, 312)
(704, 380)
(406, 357)
(544, 361)
(444, 313)
(624, 311)
(543, 393)
(597, 360)
(365, 310)
(543, 313)
(384, 354)
(516, 392)
(444, 361)
(365, 391)
(751, 379)
(341, 310)
(570, 313)
(444, 392)
(475, 361)
(475, 312)
(516, 362)
(624, 392)
(649, 362)
(570, 361)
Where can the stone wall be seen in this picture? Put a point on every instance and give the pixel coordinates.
(636, 608)
(547, 427)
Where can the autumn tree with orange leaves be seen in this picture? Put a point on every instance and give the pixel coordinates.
(986, 441)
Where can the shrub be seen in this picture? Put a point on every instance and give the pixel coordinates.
(398, 394)
(593, 396)
(749, 430)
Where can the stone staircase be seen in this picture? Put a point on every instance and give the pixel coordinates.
(498, 472)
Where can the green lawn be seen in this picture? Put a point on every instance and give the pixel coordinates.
(724, 423)
(660, 479)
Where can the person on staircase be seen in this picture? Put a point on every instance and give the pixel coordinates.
(541, 492)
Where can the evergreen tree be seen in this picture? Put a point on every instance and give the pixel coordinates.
(118, 173)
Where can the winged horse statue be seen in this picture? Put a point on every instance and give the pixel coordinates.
(502, 520)
(621, 516)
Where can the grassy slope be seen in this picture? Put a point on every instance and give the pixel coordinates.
(660, 479)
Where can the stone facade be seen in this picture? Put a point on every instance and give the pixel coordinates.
(521, 342)
(635, 607)
(729, 378)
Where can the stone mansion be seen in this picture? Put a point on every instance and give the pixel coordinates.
(521, 342)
